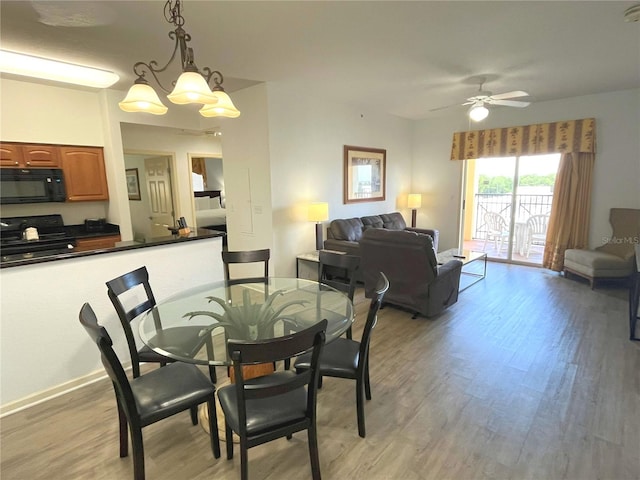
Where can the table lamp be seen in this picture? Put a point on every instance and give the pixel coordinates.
(318, 212)
(414, 201)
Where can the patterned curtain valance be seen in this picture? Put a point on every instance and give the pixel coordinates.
(540, 139)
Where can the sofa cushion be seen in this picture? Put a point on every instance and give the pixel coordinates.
(393, 221)
(349, 229)
(372, 221)
(594, 263)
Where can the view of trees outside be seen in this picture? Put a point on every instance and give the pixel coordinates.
(496, 175)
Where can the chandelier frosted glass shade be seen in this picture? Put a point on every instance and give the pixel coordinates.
(223, 108)
(142, 98)
(478, 113)
(191, 87)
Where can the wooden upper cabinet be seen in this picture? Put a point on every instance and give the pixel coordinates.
(84, 174)
(29, 156)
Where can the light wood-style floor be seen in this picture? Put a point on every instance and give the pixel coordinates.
(529, 376)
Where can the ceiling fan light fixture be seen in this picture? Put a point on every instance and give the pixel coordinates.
(478, 112)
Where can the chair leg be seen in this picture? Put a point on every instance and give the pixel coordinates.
(124, 432)
(213, 427)
(228, 435)
(287, 363)
(138, 454)
(210, 355)
(244, 460)
(194, 415)
(360, 408)
(349, 334)
(313, 451)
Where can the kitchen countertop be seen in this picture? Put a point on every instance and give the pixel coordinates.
(199, 234)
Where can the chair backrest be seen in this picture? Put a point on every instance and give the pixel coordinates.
(625, 224)
(538, 223)
(338, 271)
(243, 352)
(133, 305)
(246, 256)
(372, 319)
(495, 222)
(110, 360)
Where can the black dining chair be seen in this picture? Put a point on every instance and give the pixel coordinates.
(129, 287)
(151, 397)
(338, 270)
(345, 358)
(265, 408)
(246, 256)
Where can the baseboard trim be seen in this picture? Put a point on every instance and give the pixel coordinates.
(53, 392)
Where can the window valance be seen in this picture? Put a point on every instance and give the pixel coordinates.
(539, 139)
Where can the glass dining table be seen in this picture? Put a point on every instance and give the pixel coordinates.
(251, 309)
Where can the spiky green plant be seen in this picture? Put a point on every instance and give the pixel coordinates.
(249, 320)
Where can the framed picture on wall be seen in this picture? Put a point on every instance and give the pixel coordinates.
(133, 184)
(364, 174)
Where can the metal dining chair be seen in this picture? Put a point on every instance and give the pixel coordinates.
(345, 358)
(273, 406)
(154, 396)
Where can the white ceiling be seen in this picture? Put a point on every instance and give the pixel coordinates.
(404, 58)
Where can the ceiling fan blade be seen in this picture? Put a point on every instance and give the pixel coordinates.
(510, 103)
(514, 94)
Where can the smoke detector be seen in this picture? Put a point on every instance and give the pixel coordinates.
(632, 14)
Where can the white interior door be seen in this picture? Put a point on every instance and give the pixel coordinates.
(161, 211)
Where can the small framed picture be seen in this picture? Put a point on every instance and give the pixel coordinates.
(133, 184)
(364, 174)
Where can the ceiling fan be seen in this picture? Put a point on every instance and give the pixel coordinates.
(479, 111)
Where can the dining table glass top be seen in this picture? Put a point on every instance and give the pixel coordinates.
(245, 310)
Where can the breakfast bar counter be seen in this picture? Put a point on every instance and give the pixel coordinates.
(198, 234)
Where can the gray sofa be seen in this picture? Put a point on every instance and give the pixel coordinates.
(344, 234)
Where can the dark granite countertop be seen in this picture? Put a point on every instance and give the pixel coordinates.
(199, 234)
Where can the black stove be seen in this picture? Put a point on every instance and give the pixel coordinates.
(52, 239)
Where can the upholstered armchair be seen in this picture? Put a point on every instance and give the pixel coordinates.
(614, 259)
(408, 259)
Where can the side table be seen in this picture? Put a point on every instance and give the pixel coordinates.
(307, 265)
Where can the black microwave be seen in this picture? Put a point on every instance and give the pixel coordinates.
(35, 185)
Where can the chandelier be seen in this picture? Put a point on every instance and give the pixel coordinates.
(191, 87)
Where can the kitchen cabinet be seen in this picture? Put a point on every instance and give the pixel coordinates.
(84, 173)
(17, 155)
(96, 243)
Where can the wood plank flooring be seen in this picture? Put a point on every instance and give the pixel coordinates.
(529, 376)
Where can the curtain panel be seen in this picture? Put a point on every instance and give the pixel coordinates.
(198, 165)
(577, 136)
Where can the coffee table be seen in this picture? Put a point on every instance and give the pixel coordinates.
(474, 265)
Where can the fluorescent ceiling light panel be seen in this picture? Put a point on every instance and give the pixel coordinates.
(36, 67)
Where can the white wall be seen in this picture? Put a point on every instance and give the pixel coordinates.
(306, 136)
(617, 169)
(42, 345)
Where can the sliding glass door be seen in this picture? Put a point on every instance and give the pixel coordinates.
(507, 202)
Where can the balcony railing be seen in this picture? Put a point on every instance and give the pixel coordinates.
(525, 205)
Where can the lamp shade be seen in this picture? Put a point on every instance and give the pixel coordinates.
(478, 112)
(142, 98)
(414, 200)
(191, 87)
(224, 107)
(318, 212)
